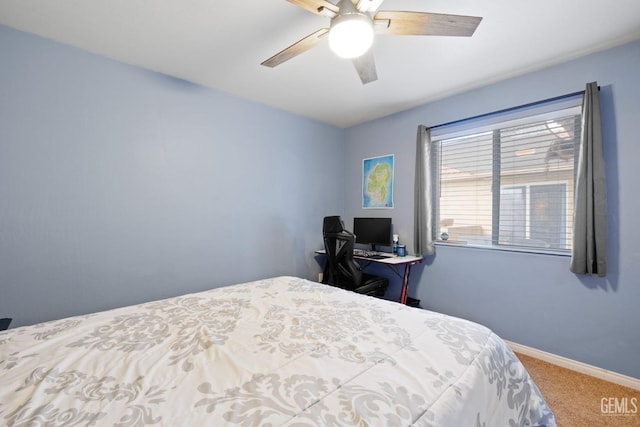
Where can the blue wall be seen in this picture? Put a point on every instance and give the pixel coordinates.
(531, 299)
(119, 185)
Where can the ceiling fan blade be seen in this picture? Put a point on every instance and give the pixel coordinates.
(316, 6)
(297, 48)
(425, 24)
(368, 5)
(366, 67)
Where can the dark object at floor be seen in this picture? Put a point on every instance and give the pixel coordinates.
(412, 302)
(4, 323)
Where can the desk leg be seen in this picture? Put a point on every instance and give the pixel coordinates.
(405, 284)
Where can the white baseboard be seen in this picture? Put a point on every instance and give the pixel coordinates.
(574, 365)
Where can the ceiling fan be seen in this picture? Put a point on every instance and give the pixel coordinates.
(353, 25)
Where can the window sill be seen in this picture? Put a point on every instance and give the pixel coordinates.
(462, 244)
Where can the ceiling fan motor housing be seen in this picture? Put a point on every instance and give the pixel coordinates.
(351, 33)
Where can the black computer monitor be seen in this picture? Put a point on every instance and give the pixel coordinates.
(372, 231)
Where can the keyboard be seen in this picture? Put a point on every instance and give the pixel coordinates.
(370, 254)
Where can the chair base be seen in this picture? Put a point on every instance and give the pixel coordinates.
(374, 286)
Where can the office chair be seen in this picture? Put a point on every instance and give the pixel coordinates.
(341, 269)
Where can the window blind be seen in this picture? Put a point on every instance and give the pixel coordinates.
(506, 181)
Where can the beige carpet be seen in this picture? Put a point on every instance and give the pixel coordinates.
(579, 400)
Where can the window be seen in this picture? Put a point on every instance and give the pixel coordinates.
(507, 181)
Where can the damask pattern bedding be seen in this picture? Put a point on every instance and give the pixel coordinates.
(276, 352)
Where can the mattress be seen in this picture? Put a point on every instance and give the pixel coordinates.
(276, 352)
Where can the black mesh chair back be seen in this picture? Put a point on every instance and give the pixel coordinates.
(341, 269)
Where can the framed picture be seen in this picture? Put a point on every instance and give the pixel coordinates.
(377, 182)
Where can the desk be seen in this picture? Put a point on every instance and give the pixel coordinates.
(392, 262)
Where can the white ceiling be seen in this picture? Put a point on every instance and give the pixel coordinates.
(221, 43)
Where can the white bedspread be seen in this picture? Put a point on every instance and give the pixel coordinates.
(282, 351)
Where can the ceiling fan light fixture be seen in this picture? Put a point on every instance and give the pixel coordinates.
(351, 35)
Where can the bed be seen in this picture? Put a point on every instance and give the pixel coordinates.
(277, 352)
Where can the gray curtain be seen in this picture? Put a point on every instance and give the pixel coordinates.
(423, 210)
(589, 255)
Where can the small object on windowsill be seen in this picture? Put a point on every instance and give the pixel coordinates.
(444, 236)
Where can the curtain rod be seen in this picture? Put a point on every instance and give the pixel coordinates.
(506, 110)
